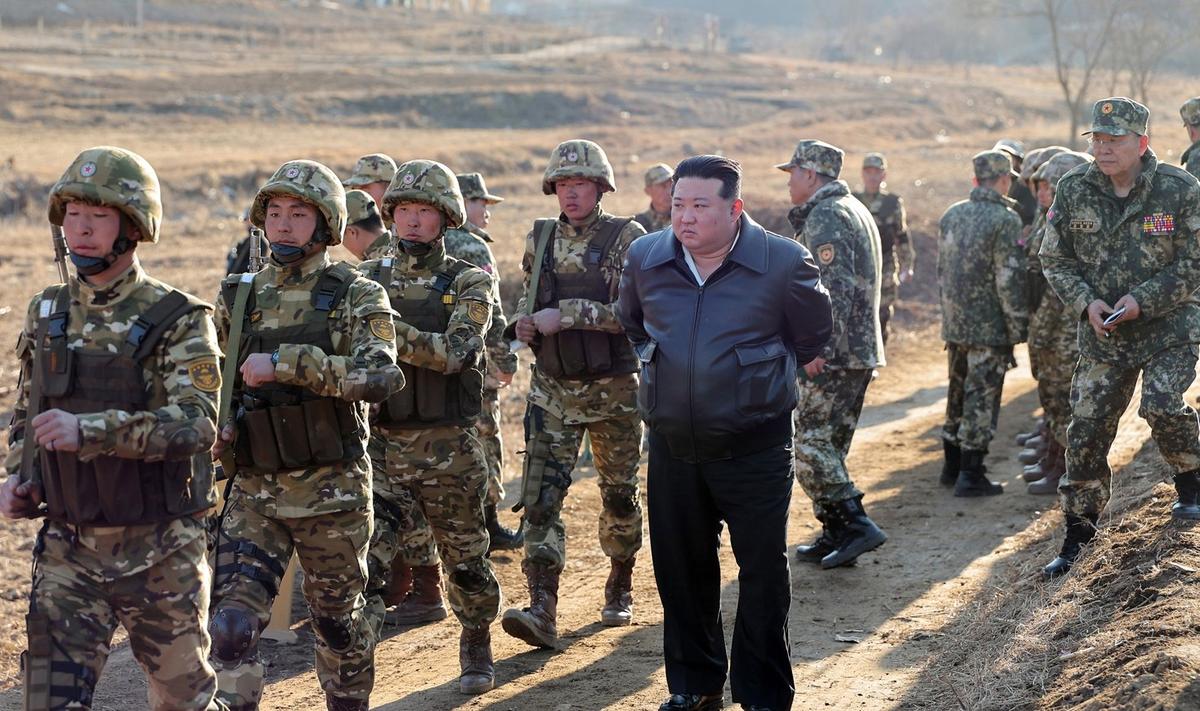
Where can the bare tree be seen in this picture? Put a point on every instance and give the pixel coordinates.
(1079, 38)
(1149, 32)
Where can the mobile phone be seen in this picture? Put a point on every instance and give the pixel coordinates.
(1114, 316)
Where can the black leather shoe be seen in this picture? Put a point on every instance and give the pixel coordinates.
(825, 544)
(856, 533)
(692, 702)
(1187, 485)
(1080, 531)
(972, 479)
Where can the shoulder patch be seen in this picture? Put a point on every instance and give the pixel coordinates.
(382, 328)
(205, 375)
(826, 253)
(478, 311)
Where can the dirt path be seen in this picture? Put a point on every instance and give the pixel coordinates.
(895, 601)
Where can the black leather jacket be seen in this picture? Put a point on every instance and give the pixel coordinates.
(719, 361)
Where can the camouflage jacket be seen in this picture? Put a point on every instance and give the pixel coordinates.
(181, 376)
(471, 292)
(652, 220)
(364, 360)
(1191, 159)
(1100, 247)
(583, 401)
(981, 272)
(469, 245)
(892, 221)
(842, 235)
(1052, 324)
(383, 246)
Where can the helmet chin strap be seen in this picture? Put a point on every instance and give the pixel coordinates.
(91, 266)
(287, 254)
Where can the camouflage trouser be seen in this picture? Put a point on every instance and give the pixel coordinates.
(437, 476)
(410, 540)
(889, 291)
(332, 551)
(487, 426)
(1100, 393)
(826, 417)
(1054, 369)
(551, 451)
(973, 395)
(75, 609)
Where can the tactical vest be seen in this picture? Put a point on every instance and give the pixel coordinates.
(288, 427)
(431, 398)
(582, 354)
(110, 490)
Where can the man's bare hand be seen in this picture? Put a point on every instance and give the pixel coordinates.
(548, 321)
(19, 499)
(1132, 311)
(814, 367)
(57, 431)
(258, 370)
(1097, 311)
(224, 439)
(525, 329)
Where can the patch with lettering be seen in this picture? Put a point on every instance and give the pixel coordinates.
(382, 328)
(478, 312)
(205, 375)
(1083, 224)
(1160, 223)
(826, 253)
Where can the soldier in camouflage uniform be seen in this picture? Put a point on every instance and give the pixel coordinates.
(1190, 113)
(898, 255)
(1053, 348)
(372, 174)
(423, 438)
(981, 276)
(841, 233)
(238, 259)
(660, 178)
(316, 345)
(1026, 202)
(1122, 251)
(366, 236)
(470, 243)
(583, 381)
(115, 413)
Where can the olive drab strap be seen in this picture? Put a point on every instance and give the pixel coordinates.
(146, 331)
(237, 317)
(52, 322)
(544, 229)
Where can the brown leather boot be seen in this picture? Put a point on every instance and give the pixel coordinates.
(423, 603)
(475, 660)
(618, 594)
(536, 624)
(1056, 466)
(338, 703)
(399, 583)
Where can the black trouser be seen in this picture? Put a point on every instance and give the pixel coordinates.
(687, 503)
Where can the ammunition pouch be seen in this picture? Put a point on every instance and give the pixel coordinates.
(544, 482)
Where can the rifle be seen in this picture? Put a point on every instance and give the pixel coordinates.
(256, 261)
(59, 242)
(545, 234)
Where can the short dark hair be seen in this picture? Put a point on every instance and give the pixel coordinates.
(372, 224)
(727, 170)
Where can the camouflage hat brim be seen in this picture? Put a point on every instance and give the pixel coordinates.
(358, 182)
(486, 197)
(786, 167)
(1109, 131)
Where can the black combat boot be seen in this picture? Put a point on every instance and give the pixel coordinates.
(501, 538)
(857, 533)
(825, 544)
(1035, 449)
(339, 703)
(1187, 485)
(1080, 531)
(952, 464)
(972, 479)
(693, 702)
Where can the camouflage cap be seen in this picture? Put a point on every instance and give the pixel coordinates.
(311, 182)
(429, 182)
(360, 206)
(875, 160)
(473, 188)
(1059, 165)
(1119, 116)
(115, 177)
(659, 173)
(1036, 157)
(1011, 147)
(1190, 111)
(372, 168)
(578, 158)
(816, 155)
(990, 165)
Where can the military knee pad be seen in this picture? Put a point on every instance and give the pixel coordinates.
(234, 635)
(336, 632)
(248, 561)
(620, 500)
(469, 579)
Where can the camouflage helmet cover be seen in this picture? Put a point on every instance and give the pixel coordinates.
(1036, 157)
(578, 158)
(114, 177)
(1190, 111)
(311, 182)
(360, 206)
(1059, 165)
(428, 182)
(474, 187)
(372, 168)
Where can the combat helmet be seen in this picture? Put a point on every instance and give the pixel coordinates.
(311, 182)
(429, 182)
(578, 158)
(371, 168)
(1036, 158)
(114, 177)
(1059, 165)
